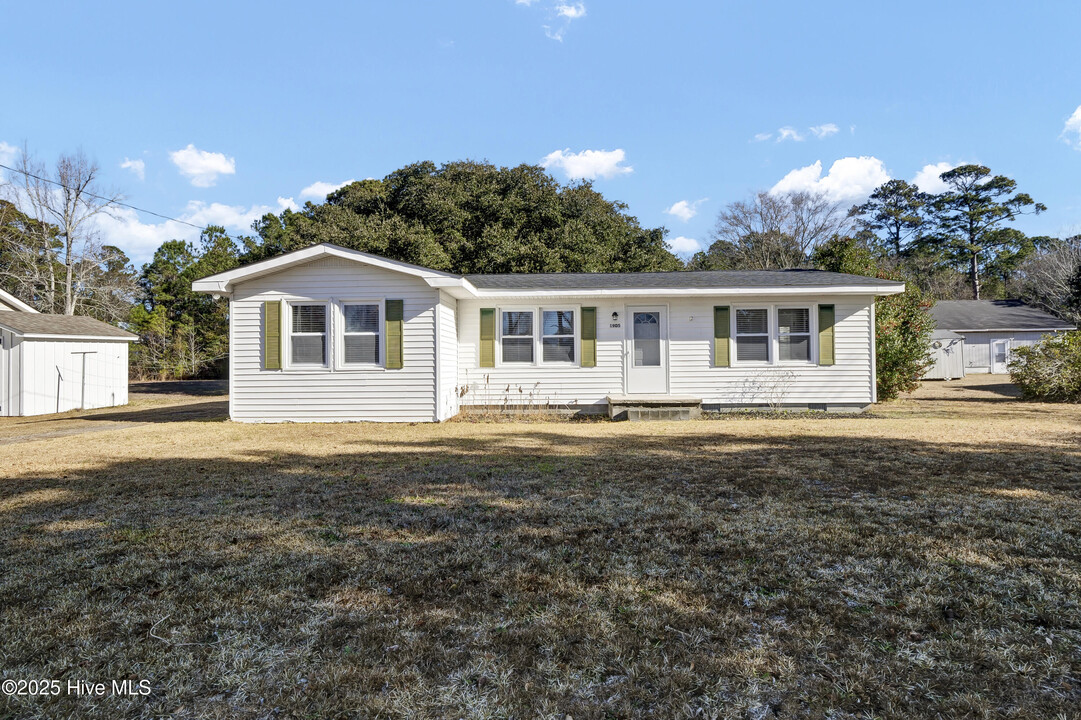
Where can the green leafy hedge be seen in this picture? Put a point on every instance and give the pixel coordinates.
(1050, 370)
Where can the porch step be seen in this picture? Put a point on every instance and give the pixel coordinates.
(654, 407)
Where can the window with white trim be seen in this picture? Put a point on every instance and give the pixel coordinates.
(794, 334)
(557, 336)
(516, 338)
(360, 334)
(752, 335)
(308, 334)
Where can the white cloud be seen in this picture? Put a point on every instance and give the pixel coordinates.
(762, 137)
(8, 153)
(201, 166)
(849, 179)
(1073, 127)
(927, 178)
(123, 227)
(588, 164)
(789, 133)
(320, 189)
(556, 34)
(571, 12)
(527, 3)
(684, 245)
(824, 131)
(684, 209)
(136, 166)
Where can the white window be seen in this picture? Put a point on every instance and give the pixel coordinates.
(517, 336)
(752, 335)
(794, 334)
(557, 336)
(360, 334)
(308, 334)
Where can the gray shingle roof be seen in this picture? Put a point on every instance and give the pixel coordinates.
(669, 280)
(25, 323)
(993, 315)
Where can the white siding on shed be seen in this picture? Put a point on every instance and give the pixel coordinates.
(405, 395)
(46, 376)
(850, 381)
(978, 346)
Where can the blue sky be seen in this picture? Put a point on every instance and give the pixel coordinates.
(218, 112)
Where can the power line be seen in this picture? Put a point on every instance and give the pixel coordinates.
(112, 201)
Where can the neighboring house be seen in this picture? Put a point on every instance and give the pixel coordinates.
(991, 329)
(53, 363)
(331, 334)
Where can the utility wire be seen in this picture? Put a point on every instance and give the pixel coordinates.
(111, 201)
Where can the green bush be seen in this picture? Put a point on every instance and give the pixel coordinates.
(903, 322)
(1050, 370)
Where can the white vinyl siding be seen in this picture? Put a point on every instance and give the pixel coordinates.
(334, 394)
(850, 381)
(978, 346)
(47, 376)
(447, 340)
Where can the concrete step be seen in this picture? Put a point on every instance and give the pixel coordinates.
(654, 407)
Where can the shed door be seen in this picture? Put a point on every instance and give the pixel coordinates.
(1000, 356)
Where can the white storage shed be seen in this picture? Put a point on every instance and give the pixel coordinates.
(993, 329)
(55, 363)
(947, 355)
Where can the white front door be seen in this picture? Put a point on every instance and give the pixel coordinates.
(647, 350)
(1000, 356)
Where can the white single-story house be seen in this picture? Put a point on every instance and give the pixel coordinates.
(54, 363)
(331, 334)
(991, 330)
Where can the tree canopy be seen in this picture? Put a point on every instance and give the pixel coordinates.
(970, 222)
(770, 231)
(472, 217)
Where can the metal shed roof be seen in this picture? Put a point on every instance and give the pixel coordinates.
(977, 315)
(41, 325)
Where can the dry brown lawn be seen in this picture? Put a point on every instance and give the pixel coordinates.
(922, 561)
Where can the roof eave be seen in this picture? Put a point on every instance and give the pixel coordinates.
(1013, 329)
(483, 293)
(223, 283)
(52, 336)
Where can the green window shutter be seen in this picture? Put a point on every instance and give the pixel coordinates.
(722, 331)
(272, 335)
(487, 337)
(394, 314)
(826, 320)
(589, 337)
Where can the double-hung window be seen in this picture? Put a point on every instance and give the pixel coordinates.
(360, 334)
(794, 334)
(517, 336)
(752, 335)
(557, 336)
(308, 334)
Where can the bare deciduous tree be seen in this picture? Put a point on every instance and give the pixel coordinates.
(771, 231)
(1045, 279)
(59, 260)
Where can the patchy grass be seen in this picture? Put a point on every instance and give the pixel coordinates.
(925, 562)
